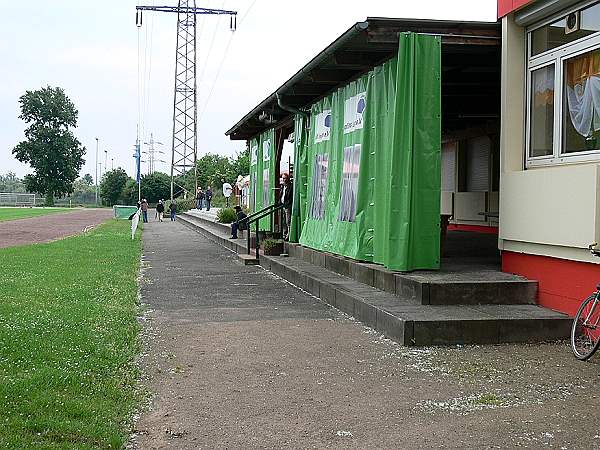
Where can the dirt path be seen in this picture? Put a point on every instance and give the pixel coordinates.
(50, 227)
(239, 359)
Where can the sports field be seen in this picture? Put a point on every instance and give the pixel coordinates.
(68, 337)
(24, 213)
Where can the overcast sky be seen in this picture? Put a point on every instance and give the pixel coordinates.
(91, 50)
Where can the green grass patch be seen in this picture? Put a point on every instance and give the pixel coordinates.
(488, 400)
(24, 213)
(68, 338)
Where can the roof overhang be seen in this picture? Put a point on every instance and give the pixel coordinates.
(362, 47)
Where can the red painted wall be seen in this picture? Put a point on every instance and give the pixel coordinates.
(474, 228)
(563, 284)
(507, 6)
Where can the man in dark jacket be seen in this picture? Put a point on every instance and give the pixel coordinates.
(238, 225)
(199, 198)
(286, 200)
(208, 197)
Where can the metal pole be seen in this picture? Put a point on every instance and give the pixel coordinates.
(96, 171)
(105, 160)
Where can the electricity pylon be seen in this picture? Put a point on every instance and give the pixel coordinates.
(185, 104)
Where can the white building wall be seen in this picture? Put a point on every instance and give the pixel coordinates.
(543, 211)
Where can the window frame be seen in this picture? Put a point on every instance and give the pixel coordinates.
(556, 56)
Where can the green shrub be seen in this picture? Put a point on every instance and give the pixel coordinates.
(182, 205)
(272, 246)
(226, 215)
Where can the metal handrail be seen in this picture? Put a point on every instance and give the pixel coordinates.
(256, 213)
(255, 217)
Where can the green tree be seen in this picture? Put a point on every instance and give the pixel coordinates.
(241, 163)
(11, 183)
(51, 148)
(130, 192)
(156, 186)
(111, 186)
(87, 179)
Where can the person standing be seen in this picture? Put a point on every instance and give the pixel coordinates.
(173, 210)
(286, 200)
(199, 198)
(160, 209)
(208, 197)
(144, 207)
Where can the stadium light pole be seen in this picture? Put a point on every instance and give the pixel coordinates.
(96, 171)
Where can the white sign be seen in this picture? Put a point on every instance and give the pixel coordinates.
(267, 150)
(253, 155)
(354, 108)
(323, 126)
(227, 189)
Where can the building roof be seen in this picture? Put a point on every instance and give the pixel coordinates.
(368, 44)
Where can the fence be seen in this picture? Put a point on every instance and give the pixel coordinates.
(20, 199)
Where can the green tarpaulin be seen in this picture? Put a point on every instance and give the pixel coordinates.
(367, 171)
(262, 174)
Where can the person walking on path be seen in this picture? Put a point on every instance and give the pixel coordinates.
(208, 197)
(173, 210)
(235, 226)
(286, 200)
(144, 207)
(199, 198)
(160, 209)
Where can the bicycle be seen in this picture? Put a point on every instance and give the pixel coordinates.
(585, 332)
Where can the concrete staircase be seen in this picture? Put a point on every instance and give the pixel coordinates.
(449, 306)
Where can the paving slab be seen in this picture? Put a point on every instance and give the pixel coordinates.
(238, 358)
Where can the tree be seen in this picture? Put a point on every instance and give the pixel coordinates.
(241, 163)
(156, 186)
(112, 186)
(87, 179)
(10, 183)
(130, 192)
(51, 149)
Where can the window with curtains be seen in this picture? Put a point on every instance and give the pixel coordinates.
(563, 78)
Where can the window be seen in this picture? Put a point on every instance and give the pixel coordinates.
(349, 194)
(542, 111)
(581, 103)
(563, 101)
(319, 187)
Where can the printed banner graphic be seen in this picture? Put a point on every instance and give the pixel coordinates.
(354, 108)
(323, 126)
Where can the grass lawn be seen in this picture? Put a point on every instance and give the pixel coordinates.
(23, 213)
(68, 337)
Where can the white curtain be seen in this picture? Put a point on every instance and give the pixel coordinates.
(584, 105)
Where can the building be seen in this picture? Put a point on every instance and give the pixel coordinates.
(482, 128)
(550, 146)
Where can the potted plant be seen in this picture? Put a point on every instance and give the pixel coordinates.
(273, 247)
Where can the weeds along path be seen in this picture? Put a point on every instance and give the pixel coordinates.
(50, 227)
(68, 339)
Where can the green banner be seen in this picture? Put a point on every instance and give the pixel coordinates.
(262, 173)
(372, 163)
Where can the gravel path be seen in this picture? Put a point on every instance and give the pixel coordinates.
(50, 227)
(238, 358)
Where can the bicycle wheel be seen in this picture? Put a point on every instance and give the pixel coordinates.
(585, 333)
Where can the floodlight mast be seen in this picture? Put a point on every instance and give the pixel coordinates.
(185, 104)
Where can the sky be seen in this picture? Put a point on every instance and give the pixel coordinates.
(120, 76)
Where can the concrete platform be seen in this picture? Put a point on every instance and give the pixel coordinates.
(399, 312)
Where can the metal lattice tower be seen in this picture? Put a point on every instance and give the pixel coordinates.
(185, 104)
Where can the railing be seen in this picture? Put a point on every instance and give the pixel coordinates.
(255, 218)
(19, 199)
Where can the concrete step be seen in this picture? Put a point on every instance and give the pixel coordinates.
(248, 260)
(404, 318)
(448, 286)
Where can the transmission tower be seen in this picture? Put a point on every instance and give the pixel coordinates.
(185, 104)
(152, 152)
